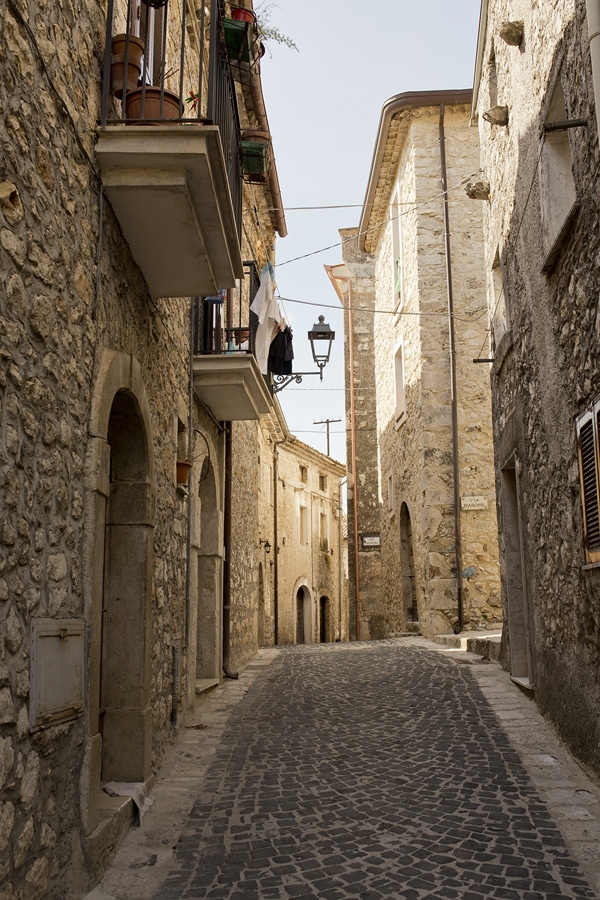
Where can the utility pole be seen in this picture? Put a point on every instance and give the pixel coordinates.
(326, 422)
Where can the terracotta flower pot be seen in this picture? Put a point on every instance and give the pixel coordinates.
(152, 110)
(183, 471)
(117, 63)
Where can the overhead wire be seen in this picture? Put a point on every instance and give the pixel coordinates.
(413, 206)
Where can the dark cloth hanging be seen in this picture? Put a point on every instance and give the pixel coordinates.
(281, 353)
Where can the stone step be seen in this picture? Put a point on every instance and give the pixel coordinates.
(483, 643)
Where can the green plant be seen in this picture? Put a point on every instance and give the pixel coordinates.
(268, 32)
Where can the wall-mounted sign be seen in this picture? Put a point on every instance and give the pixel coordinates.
(473, 503)
(369, 541)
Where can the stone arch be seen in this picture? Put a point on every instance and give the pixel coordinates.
(409, 594)
(208, 548)
(120, 518)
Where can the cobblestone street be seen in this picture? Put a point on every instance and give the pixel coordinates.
(368, 770)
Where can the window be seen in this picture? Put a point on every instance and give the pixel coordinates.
(557, 185)
(399, 388)
(498, 316)
(397, 274)
(390, 492)
(303, 523)
(303, 474)
(588, 445)
(322, 482)
(323, 532)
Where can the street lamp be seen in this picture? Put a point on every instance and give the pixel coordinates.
(321, 338)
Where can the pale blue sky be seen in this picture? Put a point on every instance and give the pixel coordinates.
(324, 104)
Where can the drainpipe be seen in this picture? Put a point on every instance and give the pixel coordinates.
(455, 464)
(190, 450)
(593, 17)
(276, 542)
(227, 555)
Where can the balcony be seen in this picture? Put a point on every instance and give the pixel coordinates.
(168, 145)
(227, 378)
(168, 188)
(231, 386)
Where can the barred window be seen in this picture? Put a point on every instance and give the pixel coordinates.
(588, 430)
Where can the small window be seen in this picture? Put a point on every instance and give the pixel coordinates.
(324, 532)
(588, 428)
(390, 492)
(303, 525)
(399, 387)
(322, 482)
(303, 474)
(499, 321)
(397, 267)
(557, 186)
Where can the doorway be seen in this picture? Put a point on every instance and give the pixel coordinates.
(124, 714)
(323, 619)
(300, 616)
(519, 626)
(409, 597)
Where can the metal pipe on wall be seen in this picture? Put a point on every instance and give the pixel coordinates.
(454, 404)
(227, 554)
(593, 17)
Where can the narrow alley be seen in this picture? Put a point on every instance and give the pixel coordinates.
(397, 768)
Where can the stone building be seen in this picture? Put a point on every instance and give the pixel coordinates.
(129, 256)
(308, 546)
(419, 409)
(536, 100)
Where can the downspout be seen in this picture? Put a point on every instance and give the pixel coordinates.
(190, 450)
(260, 112)
(276, 541)
(454, 407)
(593, 17)
(353, 458)
(227, 555)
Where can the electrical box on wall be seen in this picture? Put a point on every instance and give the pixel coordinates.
(57, 665)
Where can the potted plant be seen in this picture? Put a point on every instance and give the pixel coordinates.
(123, 46)
(255, 150)
(184, 467)
(145, 103)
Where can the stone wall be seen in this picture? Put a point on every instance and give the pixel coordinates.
(547, 369)
(94, 404)
(412, 446)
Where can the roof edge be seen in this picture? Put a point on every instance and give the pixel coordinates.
(396, 104)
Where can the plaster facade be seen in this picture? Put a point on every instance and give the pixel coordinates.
(542, 245)
(425, 509)
(311, 584)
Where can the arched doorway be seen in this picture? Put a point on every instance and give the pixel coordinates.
(300, 616)
(124, 714)
(118, 568)
(324, 625)
(208, 649)
(411, 612)
(261, 605)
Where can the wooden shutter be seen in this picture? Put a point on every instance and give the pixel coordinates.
(587, 431)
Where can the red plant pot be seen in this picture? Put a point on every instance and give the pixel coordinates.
(242, 15)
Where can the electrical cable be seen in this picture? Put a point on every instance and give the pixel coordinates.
(414, 206)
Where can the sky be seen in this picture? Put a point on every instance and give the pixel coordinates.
(324, 104)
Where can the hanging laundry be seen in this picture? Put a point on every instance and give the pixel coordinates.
(267, 310)
(281, 352)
